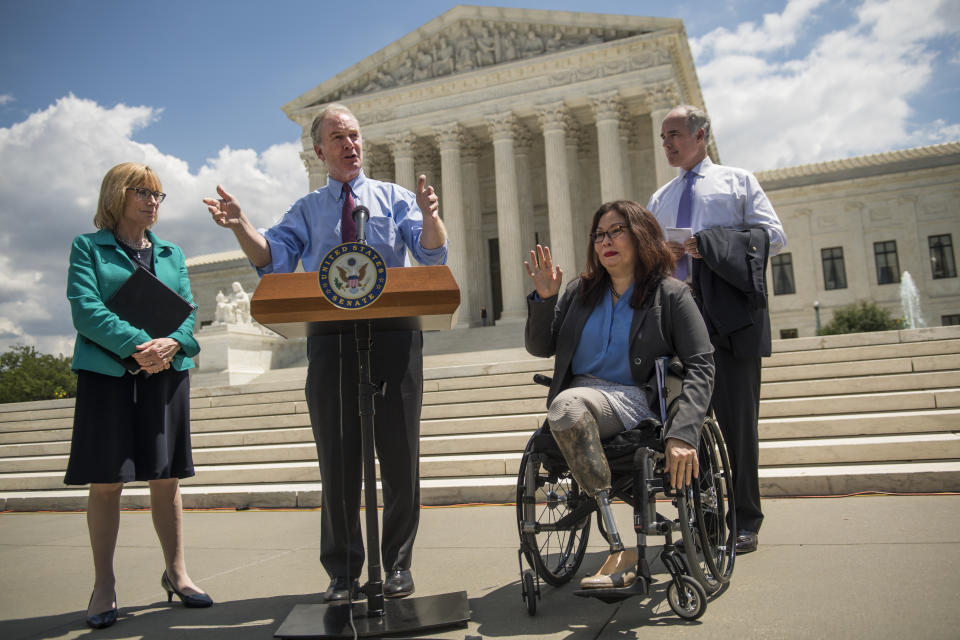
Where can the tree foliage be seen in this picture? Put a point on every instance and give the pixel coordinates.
(860, 317)
(26, 374)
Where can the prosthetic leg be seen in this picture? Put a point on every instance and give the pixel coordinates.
(581, 448)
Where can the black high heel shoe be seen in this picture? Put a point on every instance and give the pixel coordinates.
(103, 619)
(193, 601)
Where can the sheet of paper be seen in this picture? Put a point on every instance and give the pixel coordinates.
(675, 234)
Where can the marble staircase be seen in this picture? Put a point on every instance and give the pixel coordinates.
(839, 414)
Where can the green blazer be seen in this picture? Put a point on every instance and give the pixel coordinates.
(98, 266)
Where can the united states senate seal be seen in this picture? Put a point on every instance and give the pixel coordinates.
(352, 275)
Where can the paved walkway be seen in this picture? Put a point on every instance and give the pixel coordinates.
(860, 567)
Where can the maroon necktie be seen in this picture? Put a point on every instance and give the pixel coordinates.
(348, 228)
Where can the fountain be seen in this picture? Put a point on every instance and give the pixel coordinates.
(910, 302)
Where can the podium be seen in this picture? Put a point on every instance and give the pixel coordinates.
(293, 305)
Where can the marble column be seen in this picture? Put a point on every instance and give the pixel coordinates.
(473, 229)
(501, 128)
(450, 138)
(661, 100)
(608, 109)
(575, 139)
(403, 169)
(554, 121)
(522, 144)
(316, 169)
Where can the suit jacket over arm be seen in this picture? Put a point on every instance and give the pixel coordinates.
(730, 284)
(672, 327)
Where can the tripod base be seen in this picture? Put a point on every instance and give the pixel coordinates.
(400, 616)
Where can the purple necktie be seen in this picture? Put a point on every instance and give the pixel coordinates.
(348, 228)
(683, 221)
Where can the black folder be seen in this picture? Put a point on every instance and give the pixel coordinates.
(148, 304)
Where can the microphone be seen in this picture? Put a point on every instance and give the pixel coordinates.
(360, 216)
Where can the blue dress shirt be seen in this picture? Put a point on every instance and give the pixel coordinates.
(311, 227)
(604, 347)
(722, 197)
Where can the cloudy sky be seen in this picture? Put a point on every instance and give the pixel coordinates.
(194, 88)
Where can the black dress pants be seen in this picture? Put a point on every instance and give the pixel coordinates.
(331, 391)
(736, 403)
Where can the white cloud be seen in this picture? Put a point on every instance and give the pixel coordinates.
(848, 94)
(51, 165)
(6, 98)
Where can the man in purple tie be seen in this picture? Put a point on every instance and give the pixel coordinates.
(400, 222)
(721, 218)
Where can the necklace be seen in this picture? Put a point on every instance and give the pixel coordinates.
(138, 246)
(613, 292)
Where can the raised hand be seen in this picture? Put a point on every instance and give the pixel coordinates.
(545, 275)
(226, 211)
(427, 199)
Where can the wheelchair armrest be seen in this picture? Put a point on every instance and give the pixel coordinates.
(539, 378)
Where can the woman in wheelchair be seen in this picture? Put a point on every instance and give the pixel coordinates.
(606, 332)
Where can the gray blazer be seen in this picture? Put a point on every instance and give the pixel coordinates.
(667, 324)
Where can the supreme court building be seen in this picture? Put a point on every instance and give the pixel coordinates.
(525, 121)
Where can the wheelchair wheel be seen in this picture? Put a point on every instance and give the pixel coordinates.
(713, 502)
(703, 509)
(690, 602)
(552, 546)
(529, 593)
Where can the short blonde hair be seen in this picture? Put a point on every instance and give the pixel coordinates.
(114, 194)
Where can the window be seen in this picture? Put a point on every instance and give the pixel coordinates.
(888, 266)
(783, 274)
(788, 333)
(834, 273)
(950, 320)
(941, 257)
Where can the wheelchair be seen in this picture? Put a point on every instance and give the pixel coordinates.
(553, 514)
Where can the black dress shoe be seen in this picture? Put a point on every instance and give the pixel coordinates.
(746, 541)
(189, 600)
(399, 584)
(103, 619)
(342, 588)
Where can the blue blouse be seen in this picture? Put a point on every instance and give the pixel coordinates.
(604, 347)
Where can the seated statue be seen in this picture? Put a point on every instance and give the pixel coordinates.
(241, 304)
(225, 312)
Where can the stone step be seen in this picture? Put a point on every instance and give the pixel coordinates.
(523, 424)
(861, 384)
(891, 448)
(795, 373)
(862, 353)
(856, 424)
(821, 480)
(285, 472)
(460, 445)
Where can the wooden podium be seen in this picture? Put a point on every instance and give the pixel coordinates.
(293, 305)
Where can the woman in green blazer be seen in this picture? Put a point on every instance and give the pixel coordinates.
(129, 426)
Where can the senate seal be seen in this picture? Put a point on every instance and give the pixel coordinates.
(352, 275)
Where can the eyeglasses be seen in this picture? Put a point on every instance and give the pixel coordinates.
(144, 194)
(613, 233)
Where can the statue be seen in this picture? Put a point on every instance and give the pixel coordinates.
(225, 313)
(241, 304)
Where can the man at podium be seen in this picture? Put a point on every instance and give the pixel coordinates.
(400, 220)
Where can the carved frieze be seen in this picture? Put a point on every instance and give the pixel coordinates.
(474, 44)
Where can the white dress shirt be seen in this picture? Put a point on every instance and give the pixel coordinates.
(722, 197)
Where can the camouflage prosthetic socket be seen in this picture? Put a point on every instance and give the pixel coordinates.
(581, 448)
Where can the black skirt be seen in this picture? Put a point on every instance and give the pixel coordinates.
(130, 428)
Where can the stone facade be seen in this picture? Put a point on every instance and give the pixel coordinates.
(525, 121)
(888, 202)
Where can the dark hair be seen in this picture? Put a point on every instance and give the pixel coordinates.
(654, 260)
